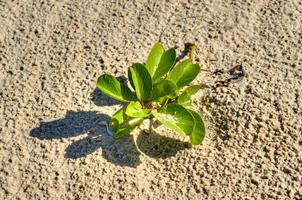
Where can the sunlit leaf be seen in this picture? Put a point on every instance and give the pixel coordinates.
(184, 100)
(118, 118)
(199, 130)
(192, 89)
(154, 58)
(127, 127)
(130, 79)
(163, 88)
(166, 63)
(185, 97)
(176, 117)
(121, 124)
(112, 87)
(134, 109)
(176, 73)
(141, 80)
(184, 73)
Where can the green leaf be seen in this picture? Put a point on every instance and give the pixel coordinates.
(163, 88)
(199, 131)
(192, 89)
(142, 81)
(166, 63)
(123, 131)
(112, 87)
(130, 79)
(127, 127)
(185, 97)
(154, 58)
(121, 124)
(176, 73)
(118, 118)
(184, 73)
(176, 117)
(184, 100)
(134, 109)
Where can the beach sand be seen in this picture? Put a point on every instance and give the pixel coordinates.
(52, 143)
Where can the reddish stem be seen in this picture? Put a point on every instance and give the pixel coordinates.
(142, 103)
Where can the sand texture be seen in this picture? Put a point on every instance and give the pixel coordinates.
(52, 143)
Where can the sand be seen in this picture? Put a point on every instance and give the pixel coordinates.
(53, 146)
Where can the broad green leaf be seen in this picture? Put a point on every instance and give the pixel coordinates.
(121, 124)
(163, 88)
(175, 74)
(189, 74)
(127, 127)
(130, 79)
(123, 131)
(199, 130)
(134, 109)
(166, 63)
(176, 117)
(192, 89)
(185, 97)
(112, 87)
(184, 100)
(142, 81)
(154, 58)
(118, 118)
(184, 73)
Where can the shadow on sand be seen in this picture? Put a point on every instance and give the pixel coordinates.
(123, 152)
(159, 146)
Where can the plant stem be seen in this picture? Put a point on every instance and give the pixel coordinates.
(142, 103)
(165, 102)
(150, 125)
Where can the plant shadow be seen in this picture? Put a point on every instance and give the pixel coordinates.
(159, 146)
(184, 53)
(121, 152)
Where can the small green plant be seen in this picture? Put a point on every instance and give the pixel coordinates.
(161, 90)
